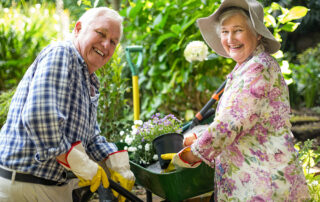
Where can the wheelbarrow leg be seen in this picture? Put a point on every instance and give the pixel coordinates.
(149, 196)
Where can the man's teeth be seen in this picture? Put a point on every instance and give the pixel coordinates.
(98, 51)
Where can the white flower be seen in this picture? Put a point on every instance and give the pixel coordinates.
(138, 122)
(155, 157)
(121, 133)
(147, 147)
(129, 140)
(134, 130)
(196, 51)
(132, 149)
(315, 183)
(140, 147)
(125, 148)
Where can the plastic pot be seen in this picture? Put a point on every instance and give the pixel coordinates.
(167, 143)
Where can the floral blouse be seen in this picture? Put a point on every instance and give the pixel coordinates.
(250, 143)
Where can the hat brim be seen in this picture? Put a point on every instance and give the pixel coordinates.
(208, 26)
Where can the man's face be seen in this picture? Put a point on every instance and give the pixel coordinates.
(97, 41)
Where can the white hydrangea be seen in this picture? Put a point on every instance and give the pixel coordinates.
(196, 51)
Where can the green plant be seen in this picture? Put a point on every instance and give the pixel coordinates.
(24, 31)
(113, 107)
(307, 75)
(310, 157)
(140, 139)
(5, 100)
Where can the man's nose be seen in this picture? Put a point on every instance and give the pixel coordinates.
(105, 43)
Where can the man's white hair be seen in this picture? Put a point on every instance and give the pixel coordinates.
(91, 14)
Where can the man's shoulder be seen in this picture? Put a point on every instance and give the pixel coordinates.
(61, 47)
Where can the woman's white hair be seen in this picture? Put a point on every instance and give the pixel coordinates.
(91, 14)
(231, 12)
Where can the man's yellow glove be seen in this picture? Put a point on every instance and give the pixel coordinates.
(177, 161)
(88, 171)
(119, 167)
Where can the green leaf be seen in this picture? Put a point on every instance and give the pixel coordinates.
(176, 29)
(270, 21)
(164, 37)
(294, 13)
(290, 26)
(134, 11)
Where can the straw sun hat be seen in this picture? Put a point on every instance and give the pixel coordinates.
(208, 25)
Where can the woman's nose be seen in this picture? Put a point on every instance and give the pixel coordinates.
(230, 37)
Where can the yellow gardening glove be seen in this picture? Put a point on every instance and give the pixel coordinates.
(119, 167)
(125, 183)
(94, 184)
(177, 161)
(88, 171)
(168, 156)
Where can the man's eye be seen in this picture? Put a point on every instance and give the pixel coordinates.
(100, 33)
(224, 32)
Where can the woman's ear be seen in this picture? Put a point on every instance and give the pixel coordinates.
(259, 37)
(77, 28)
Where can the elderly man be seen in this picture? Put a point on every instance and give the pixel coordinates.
(51, 125)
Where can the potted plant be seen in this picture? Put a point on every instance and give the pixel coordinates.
(145, 136)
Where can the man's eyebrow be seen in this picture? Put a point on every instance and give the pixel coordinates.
(107, 30)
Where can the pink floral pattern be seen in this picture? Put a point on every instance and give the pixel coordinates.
(250, 143)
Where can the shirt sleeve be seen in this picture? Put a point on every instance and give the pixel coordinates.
(47, 105)
(241, 106)
(99, 148)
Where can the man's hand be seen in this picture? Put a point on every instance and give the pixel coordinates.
(119, 167)
(88, 171)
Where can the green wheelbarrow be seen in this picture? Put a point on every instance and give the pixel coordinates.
(183, 183)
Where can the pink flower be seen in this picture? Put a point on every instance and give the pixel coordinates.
(244, 178)
(205, 139)
(257, 91)
(228, 185)
(278, 156)
(274, 93)
(235, 155)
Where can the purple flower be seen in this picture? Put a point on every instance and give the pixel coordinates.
(222, 127)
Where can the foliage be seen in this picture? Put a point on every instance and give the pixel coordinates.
(309, 158)
(167, 81)
(24, 31)
(5, 99)
(140, 139)
(113, 107)
(307, 76)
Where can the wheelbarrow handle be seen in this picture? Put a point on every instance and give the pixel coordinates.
(122, 191)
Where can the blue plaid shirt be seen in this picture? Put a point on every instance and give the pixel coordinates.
(54, 106)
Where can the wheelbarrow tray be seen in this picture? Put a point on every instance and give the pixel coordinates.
(177, 185)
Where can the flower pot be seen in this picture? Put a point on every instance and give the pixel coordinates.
(167, 143)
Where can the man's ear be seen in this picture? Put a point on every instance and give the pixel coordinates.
(77, 28)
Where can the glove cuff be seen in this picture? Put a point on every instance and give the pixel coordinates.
(118, 160)
(79, 162)
(178, 161)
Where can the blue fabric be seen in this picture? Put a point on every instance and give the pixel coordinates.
(54, 106)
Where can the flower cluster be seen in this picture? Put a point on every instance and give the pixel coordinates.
(140, 139)
(196, 51)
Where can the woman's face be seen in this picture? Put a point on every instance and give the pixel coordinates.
(237, 38)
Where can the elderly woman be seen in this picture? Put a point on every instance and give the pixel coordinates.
(249, 143)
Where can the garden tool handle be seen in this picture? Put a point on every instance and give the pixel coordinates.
(134, 67)
(215, 97)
